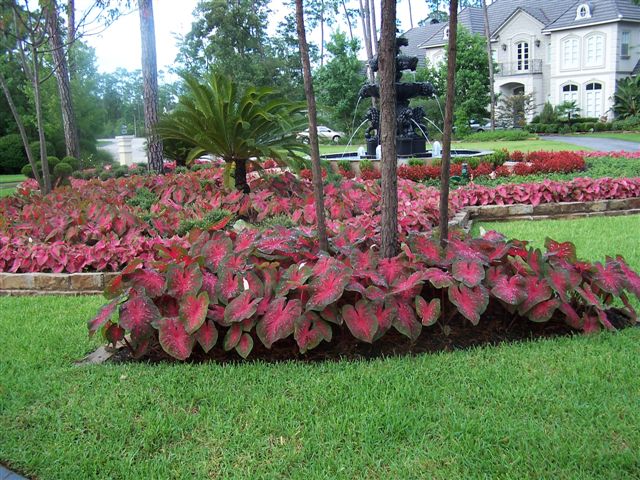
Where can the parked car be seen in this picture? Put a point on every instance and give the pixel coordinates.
(323, 133)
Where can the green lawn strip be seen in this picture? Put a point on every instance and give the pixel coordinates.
(630, 136)
(562, 408)
(12, 178)
(521, 145)
(5, 192)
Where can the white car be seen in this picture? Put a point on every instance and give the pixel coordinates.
(323, 133)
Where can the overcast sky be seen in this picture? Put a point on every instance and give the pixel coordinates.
(119, 44)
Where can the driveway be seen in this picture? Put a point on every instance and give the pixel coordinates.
(597, 143)
(137, 144)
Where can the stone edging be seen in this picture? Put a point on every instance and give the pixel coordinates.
(94, 283)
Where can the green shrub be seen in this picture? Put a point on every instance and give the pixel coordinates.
(12, 154)
(35, 148)
(498, 157)
(120, 171)
(499, 135)
(211, 218)
(74, 162)
(276, 221)
(105, 175)
(144, 198)
(344, 165)
(416, 162)
(97, 160)
(365, 165)
(548, 114)
(61, 173)
(179, 170)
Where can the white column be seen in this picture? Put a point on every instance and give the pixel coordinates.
(125, 149)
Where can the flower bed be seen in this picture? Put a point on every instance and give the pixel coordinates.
(229, 290)
(619, 154)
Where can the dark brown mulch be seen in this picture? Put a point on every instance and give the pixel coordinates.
(497, 326)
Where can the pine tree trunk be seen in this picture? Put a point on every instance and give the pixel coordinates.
(372, 20)
(321, 33)
(46, 177)
(150, 85)
(318, 189)
(71, 36)
(389, 174)
(240, 175)
(366, 33)
(410, 14)
(21, 129)
(448, 123)
(61, 72)
(346, 16)
(487, 34)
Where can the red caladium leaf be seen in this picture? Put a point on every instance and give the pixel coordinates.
(182, 281)
(355, 286)
(468, 272)
(471, 302)
(113, 333)
(207, 335)
(374, 293)
(604, 321)
(363, 262)
(609, 277)
(510, 290)
(385, 313)
(294, 277)
(571, 317)
(589, 297)
(630, 310)
(245, 345)
(426, 248)
(229, 285)
(310, 330)
(232, 337)
(216, 250)
(361, 320)
(405, 320)
(209, 282)
(438, 278)
(566, 250)
(240, 308)
(428, 312)
(590, 323)
(278, 321)
(391, 269)
(331, 314)
(104, 315)
(152, 281)
(115, 287)
(174, 339)
(245, 240)
(560, 281)
(408, 284)
(328, 288)
(631, 278)
(193, 311)
(216, 313)
(168, 306)
(534, 260)
(537, 290)
(137, 314)
(254, 284)
(543, 311)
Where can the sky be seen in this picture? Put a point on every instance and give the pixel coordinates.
(119, 45)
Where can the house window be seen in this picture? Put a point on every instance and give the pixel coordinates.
(570, 93)
(593, 99)
(594, 46)
(624, 44)
(583, 12)
(549, 52)
(445, 35)
(522, 52)
(570, 53)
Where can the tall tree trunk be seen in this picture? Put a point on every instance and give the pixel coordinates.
(71, 36)
(150, 85)
(318, 190)
(240, 175)
(448, 123)
(366, 33)
(61, 72)
(487, 34)
(321, 33)
(346, 16)
(410, 14)
(46, 177)
(374, 27)
(389, 174)
(23, 133)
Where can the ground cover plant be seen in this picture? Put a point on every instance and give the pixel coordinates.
(462, 414)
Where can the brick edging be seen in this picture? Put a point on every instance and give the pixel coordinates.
(94, 283)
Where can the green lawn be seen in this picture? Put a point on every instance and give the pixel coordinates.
(523, 145)
(563, 408)
(12, 178)
(5, 192)
(631, 137)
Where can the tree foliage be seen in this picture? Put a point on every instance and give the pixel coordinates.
(627, 97)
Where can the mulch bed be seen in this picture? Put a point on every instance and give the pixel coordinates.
(496, 326)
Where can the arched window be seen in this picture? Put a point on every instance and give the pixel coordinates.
(583, 11)
(570, 51)
(522, 56)
(593, 103)
(445, 35)
(570, 93)
(594, 50)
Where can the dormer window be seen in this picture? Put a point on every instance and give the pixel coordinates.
(445, 35)
(583, 12)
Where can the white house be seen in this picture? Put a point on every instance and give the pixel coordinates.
(556, 49)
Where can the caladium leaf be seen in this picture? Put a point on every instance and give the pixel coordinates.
(331, 314)
(438, 278)
(242, 307)
(560, 281)
(385, 313)
(428, 312)
(391, 269)
(510, 290)
(468, 272)
(426, 249)
(328, 288)
(374, 293)
(193, 311)
(631, 278)
(361, 321)
(355, 286)
(115, 287)
(209, 282)
(589, 297)
(604, 321)
(543, 311)
(537, 290)
(229, 285)
(152, 281)
(104, 315)
(405, 320)
(566, 250)
(310, 330)
(168, 306)
(113, 333)
(232, 338)
(207, 335)
(245, 345)
(294, 277)
(278, 321)
(609, 277)
(363, 263)
(571, 316)
(138, 314)
(182, 281)
(216, 250)
(255, 285)
(471, 302)
(174, 339)
(411, 284)
(590, 323)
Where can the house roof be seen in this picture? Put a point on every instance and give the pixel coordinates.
(553, 14)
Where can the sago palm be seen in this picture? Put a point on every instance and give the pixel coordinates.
(236, 125)
(627, 97)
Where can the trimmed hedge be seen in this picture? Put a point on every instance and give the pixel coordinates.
(12, 154)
